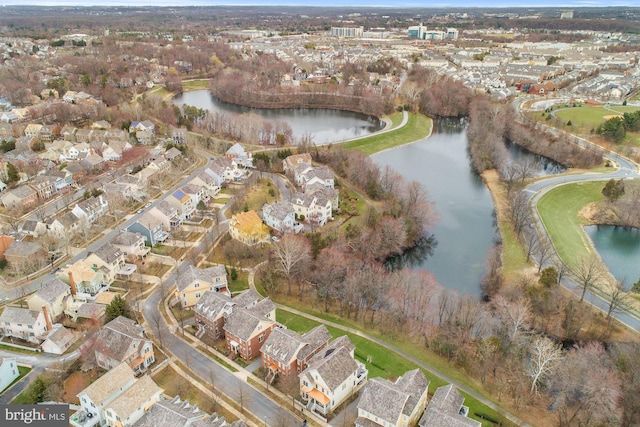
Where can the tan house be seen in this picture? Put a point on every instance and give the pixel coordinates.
(122, 340)
(193, 283)
(131, 405)
(131, 245)
(107, 258)
(28, 325)
(54, 294)
(26, 256)
(95, 398)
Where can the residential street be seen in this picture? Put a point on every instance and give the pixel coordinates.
(225, 381)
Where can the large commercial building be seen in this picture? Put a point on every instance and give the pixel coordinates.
(347, 31)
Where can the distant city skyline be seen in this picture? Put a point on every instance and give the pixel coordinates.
(450, 4)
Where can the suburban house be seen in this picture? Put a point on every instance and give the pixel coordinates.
(132, 404)
(214, 309)
(246, 329)
(446, 409)
(225, 169)
(21, 197)
(181, 413)
(198, 193)
(299, 172)
(281, 217)
(331, 377)
(209, 183)
(145, 125)
(54, 295)
(247, 227)
(25, 256)
(399, 403)
(237, 153)
(32, 130)
(150, 228)
(95, 398)
(179, 135)
(91, 209)
(28, 325)
(172, 153)
(291, 162)
(44, 186)
(210, 312)
(131, 245)
(107, 258)
(183, 203)
(66, 224)
(287, 353)
(86, 279)
(167, 214)
(8, 372)
(312, 208)
(58, 340)
(122, 340)
(192, 284)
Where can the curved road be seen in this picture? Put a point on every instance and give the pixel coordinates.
(627, 169)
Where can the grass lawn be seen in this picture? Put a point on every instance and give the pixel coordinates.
(559, 210)
(195, 84)
(241, 283)
(417, 127)
(386, 364)
(396, 119)
(259, 194)
(586, 118)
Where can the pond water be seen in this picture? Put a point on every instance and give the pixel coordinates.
(324, 126)
(466, 227)
(619, 249)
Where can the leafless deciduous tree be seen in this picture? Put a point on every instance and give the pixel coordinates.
(292, 255)
(589, 273)
(619, 299)
(543, 359)
(514, 315)
(586, 388)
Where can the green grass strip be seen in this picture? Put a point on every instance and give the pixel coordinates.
(559, 210)
(417, 128)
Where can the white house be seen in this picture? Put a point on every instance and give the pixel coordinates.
(280, 216)
(8, 371)
(331, 377)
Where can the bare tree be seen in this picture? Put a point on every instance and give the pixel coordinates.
(291, 255)
(519, 212)
(619, 299)
(515, 315)
(544, 357)
(589, 273)
(156, 320)
(586, 388)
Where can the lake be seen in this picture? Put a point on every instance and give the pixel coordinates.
(619, 249)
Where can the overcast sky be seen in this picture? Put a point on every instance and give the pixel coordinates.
(355, 3)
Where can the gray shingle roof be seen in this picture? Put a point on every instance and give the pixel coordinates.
(206, 275)
(108, 253)
(126, 238)
(52, 289)
(22, 249)
(116, 338)
(334, 363)
(134, 397)
(388, 401)
(19, 315)
(443, 410)
(174, 413)
(105, 386)
(284, 345)
(242, 322)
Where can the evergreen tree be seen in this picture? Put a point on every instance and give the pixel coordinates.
(12, 173)
(613, 190)
(117, 307)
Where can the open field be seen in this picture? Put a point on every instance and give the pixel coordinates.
(417, 127)
(583, 119)
(559, 210)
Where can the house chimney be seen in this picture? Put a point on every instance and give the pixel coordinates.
(72, 284)
(46, 317)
